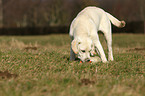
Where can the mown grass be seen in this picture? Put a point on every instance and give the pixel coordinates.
(47, 70)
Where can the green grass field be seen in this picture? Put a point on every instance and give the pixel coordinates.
(40, 66)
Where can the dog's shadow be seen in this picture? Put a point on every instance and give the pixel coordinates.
(68, 59)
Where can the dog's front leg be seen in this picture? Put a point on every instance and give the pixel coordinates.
(72, 55)
(100, 51)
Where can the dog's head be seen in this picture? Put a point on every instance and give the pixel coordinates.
(83, 48)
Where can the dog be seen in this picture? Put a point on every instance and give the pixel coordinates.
(84, 33)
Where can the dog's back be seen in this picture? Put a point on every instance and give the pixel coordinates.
(96, 14)
(93, 16)
(85, 18)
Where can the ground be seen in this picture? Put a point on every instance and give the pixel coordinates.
(40, 66)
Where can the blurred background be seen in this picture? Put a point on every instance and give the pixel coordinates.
(35, 17)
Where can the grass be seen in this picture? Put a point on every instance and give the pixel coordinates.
(47, 71)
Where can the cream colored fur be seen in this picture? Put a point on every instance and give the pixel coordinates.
(84, 33)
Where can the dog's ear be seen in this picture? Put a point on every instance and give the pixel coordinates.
(74, 45)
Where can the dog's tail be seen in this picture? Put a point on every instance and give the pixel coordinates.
(115, 21)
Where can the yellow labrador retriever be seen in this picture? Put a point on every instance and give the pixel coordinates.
(84, 33)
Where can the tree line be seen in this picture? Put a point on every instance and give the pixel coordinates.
(38, 13)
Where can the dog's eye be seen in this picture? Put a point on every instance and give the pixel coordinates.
(83, 51)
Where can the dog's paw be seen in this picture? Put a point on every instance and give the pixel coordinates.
(95, 59)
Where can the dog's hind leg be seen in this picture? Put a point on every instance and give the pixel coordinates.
(108, 37)
(106, 29)
(72, 55)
